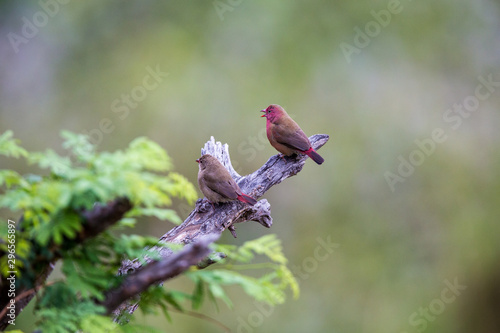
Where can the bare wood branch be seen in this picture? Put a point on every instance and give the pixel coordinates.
(205, 219)
(158, 271)
(101, 217)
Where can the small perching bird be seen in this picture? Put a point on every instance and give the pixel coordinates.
(286, 136)
(216, 183)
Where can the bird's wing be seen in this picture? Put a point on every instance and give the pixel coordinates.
(291, 136)
(226, 188)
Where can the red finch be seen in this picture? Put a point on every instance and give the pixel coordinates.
(216, 183)
(285, 135)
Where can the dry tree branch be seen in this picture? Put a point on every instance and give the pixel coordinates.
(207, 220)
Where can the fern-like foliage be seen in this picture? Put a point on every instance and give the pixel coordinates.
(51, 206)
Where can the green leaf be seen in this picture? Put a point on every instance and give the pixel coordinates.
(216, 291)
(95, 323)
(174, 298)
(159, 213)
(127, 222)
(268, 245)
(63, 224)
(11, 178)
(261, 290)
(180, 187)
(9, 147)
(78, 145)
(288, 280)
(198, 295)
(148, 155)
(51, 160)
(86, 279)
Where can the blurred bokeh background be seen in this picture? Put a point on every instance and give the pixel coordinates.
(414, 253)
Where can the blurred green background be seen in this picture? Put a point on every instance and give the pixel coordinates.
(71, 66)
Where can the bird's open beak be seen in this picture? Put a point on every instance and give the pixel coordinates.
(263, 114)
(198, 161)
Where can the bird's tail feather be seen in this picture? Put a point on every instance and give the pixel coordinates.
(248, 199)
(314, 156)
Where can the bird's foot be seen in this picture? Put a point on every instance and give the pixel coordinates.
(204, 205)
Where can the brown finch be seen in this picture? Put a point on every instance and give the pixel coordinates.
(216, 183)
(286, 136)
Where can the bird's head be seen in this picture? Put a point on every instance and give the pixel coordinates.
(273, 112)
(206, 160)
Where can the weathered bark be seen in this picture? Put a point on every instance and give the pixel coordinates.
(205, 219)
(158, 271)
